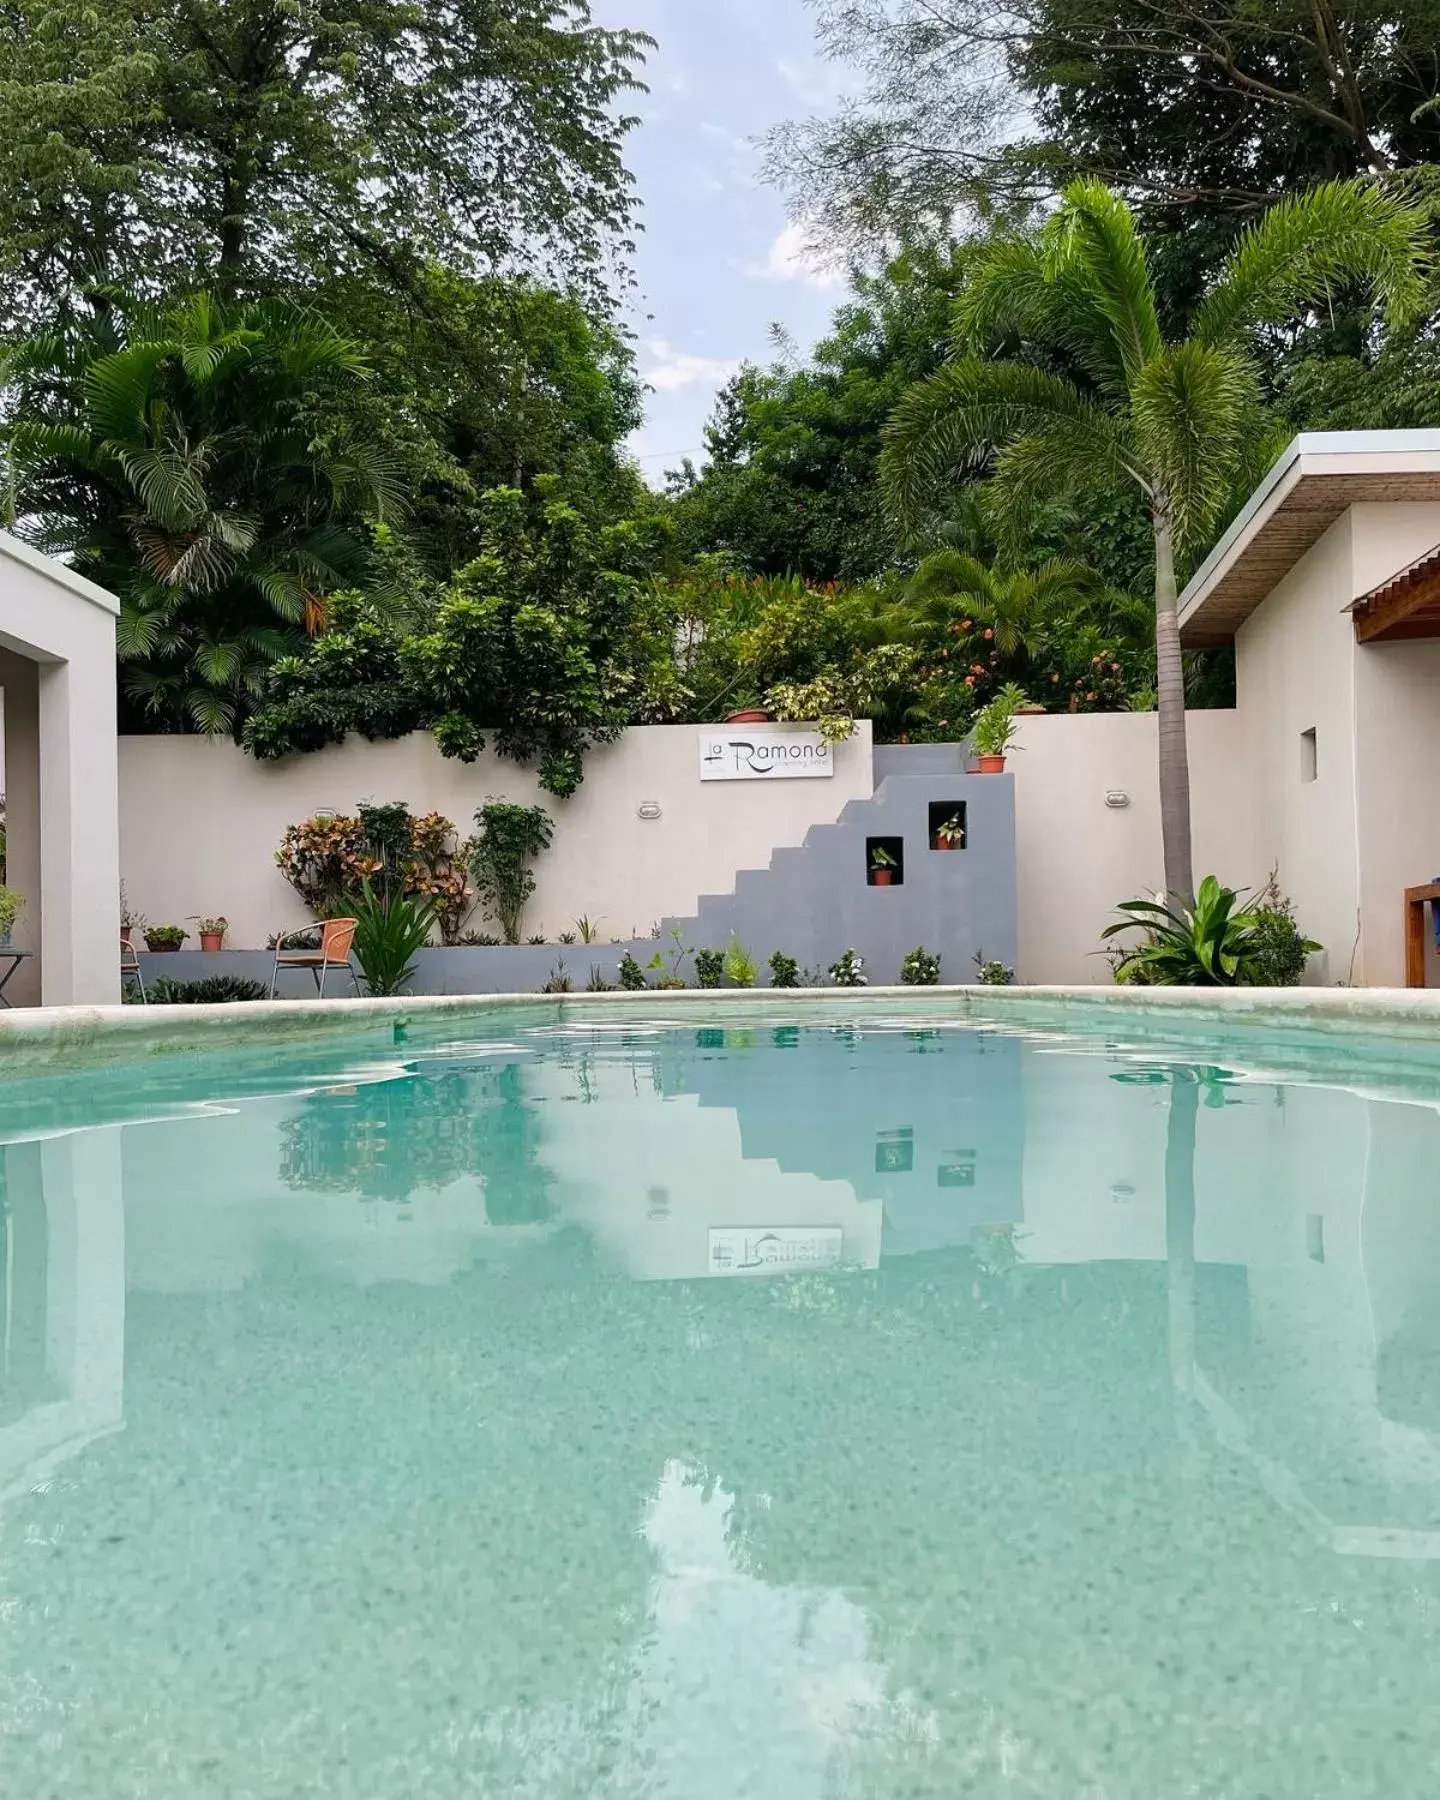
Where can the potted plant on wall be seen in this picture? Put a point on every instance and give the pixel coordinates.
(949, 834)
(993, 730)
(164, 937)
(882, 867)
(10, 904)
(748, 715)
(212, 932)
(131, 921)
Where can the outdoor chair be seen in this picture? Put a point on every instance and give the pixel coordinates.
(336, 938)
(130, 969)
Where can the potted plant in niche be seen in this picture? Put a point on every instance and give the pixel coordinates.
(164, 937)
(993, 730)
(882, 867)
(949, 834)
(11, 903)
(212, 932)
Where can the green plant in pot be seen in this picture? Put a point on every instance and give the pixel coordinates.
(11, 904)
(164, 937)
(882, 867)
(212, 932)
(950, 834)
(993, 730)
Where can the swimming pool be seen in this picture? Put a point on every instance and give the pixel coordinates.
(826, 1403)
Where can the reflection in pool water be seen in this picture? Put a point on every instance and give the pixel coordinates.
(757, 1411)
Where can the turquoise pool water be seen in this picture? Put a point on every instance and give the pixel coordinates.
(735, 1411)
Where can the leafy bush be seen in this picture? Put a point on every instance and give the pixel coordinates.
(784, 970)
(632, 976)
(991, 971)
(920, 968)
(741, 969)
(849, 970)
(1204, 945)
(326, 859)
(709, 967)
(507, 840)
(1277, 958)
(214, 990)
(388, 932)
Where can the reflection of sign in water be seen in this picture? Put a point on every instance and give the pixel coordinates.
(759, 755)
(743, 1250)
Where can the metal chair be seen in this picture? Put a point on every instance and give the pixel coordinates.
(336, 938)
(130, 965)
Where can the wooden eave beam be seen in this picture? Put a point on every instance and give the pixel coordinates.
(1383, 614)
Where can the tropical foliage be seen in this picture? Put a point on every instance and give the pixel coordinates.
(196, 460)
(327, 860)
(389, 928)
(1216, 941)
(507, 840)
(1088, 393)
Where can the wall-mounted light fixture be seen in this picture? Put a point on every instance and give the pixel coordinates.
(648, 809)
(1116, 797)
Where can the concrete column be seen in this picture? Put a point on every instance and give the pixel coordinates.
(80, 849)
(19, 677)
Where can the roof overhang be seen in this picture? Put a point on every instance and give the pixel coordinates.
(1318, 477)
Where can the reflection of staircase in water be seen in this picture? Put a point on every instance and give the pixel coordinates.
(936, 1134)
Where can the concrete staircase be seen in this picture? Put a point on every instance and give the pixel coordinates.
(813, 900)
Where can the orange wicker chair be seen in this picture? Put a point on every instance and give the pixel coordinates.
(336, 938)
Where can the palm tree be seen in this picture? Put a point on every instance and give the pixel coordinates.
(1090, 396)
(197, 460)
(1015, 604)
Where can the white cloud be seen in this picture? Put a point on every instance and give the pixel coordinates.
(793, 257)
(669, 368)
(812, 80)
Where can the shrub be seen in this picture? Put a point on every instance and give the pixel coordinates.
(558, 983)
(709, 967)
(508, 839)
(214, 990)
(741, 968)
(388, 932)
(849, 970)
(326, 860)
(1277, 957)
(1204, 945)
(632, 976)
(597, 984)
(920, 968)
(991, 971)
(784, 970)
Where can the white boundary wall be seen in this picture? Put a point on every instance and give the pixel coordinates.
(200, 822)
(1077, 856)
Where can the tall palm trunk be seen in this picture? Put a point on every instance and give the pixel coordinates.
(1170, 690)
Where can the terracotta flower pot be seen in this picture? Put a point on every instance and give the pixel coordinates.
(748, 715)
(882, 878)
(946, 844)
(212, 940)
(989, 765)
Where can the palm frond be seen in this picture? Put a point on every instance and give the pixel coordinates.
(953, 422)
(118, 389)
(1093, 236)
(1192, 409)
(1309, 245)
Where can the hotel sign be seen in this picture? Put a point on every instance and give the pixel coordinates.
(773, 1249)
(751, 754)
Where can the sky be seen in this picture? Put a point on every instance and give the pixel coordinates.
(719, 260)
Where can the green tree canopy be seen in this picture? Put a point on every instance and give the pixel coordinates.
(1088, 395)
(555, 638)
(197, 460)
(791, 486)
(265, 145)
